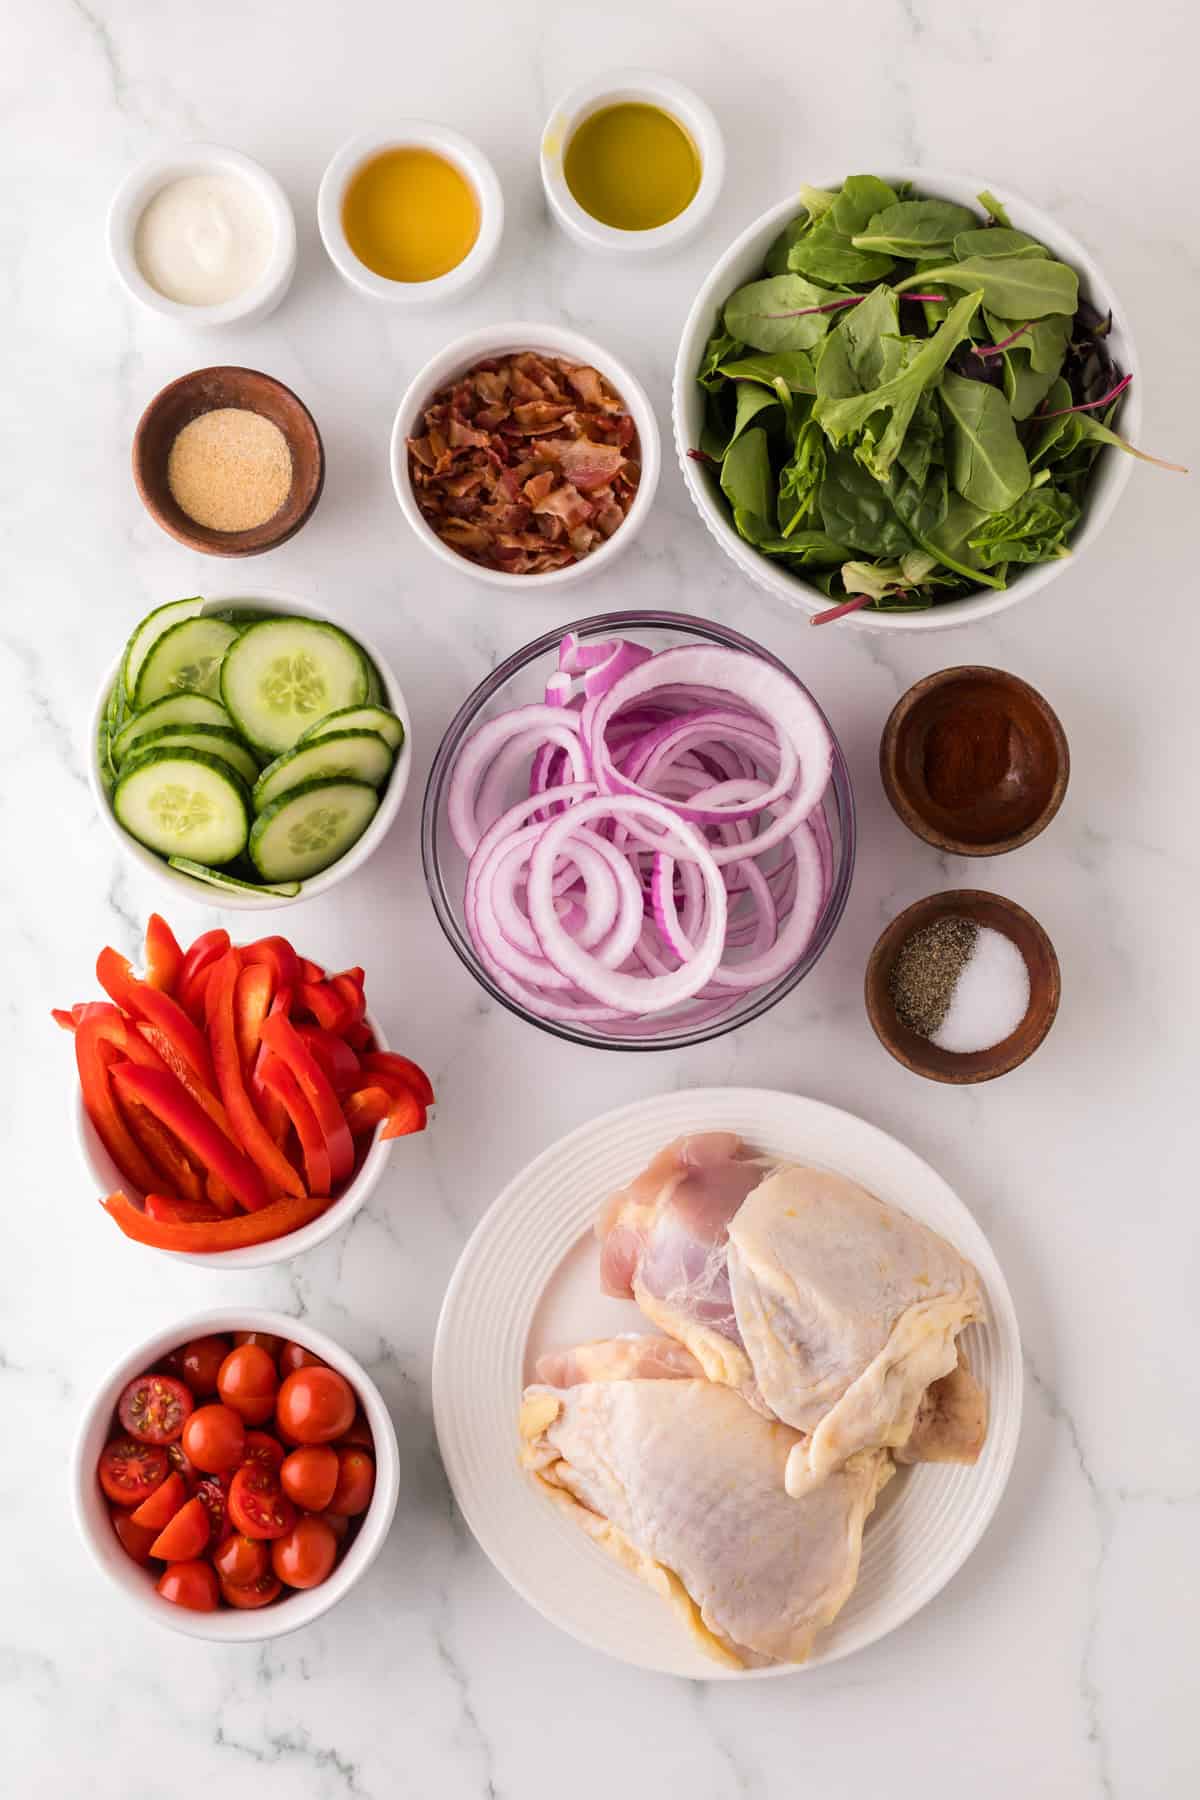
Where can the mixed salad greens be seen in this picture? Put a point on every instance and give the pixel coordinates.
(910, 399)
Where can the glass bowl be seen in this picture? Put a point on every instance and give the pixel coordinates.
(518, 682)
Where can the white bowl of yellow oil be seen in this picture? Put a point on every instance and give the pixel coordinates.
(632, 163)
(411, 217)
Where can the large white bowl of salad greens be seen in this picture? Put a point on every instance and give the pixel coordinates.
(901, 462)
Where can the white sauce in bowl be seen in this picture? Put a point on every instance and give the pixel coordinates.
(204, 239)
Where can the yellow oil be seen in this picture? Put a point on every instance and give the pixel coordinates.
(632, 166)
(410, 215)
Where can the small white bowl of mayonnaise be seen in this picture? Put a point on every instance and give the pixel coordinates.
(204, 236)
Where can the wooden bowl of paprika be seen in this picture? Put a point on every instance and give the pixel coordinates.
(974, 761)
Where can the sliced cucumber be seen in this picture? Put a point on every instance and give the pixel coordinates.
(143, 636)
(310, 827)
(173, 709)
(187, 655)
(218, 740)
(217, 878)
(114, 707)
(104, 762)
(359, 718)
(184, 802)
(358, 755)
(284, 674)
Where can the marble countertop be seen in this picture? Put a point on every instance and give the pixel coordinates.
(1061, 1661)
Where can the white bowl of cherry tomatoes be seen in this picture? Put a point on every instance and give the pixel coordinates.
(236, 1474)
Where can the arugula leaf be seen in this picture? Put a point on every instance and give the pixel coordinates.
(914, 228)
(988, 465)
(800, 478)
(795, 367)
(996, 240)
(1034, 530)
(856, 508)
(777, 314)
(1016, 287)
(746, 484)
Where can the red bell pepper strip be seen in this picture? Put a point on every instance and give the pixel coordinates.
(208, 948)
(164, 958)
(257, 1142)
(310, 971)
(407, 1115)
(67, 1019)
(170, 1101)
(327, 1006)
(144, 1002)
(210, 1235)
(276, 954)
(278, 1079)
(164, 1151)
(219, 1196)
(388, 1062)
(167, 1056)
(251, 1003)
(170, 1211)
(360, 1037)
(281, 1036)
(99, 1039)
(366, 1108)
(349, 984)
(335, 1057)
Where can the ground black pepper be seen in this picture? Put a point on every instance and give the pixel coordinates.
(925, 972)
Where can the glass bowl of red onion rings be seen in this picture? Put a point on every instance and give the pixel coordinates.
(638, 832)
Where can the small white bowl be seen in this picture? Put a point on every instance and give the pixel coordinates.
(505, 340)
(228, 1625)
(743, 261)
(468, 158)
(229, 900)
(139, 188)
(106, 1178)
(624, 87)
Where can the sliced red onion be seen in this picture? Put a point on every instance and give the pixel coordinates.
(531, 725)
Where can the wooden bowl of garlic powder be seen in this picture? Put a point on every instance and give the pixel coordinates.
(228, 461)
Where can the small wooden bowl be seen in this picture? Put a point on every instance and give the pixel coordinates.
(1011, 751)
(203, 391)
(918, 1053)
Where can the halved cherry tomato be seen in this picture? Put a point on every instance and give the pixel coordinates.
(359, 1434)
(248, 1382)
(258, 1593)
(294, 1356)
(184, 1536)
(355, 1483)
(201, 1363)
(305, 1556)
(135, 1540)
(213, 1491)
(164, 958)
(154, 1408)
(258, 1505)
(215, 1437)
(241, 1561)
(183, 1466)
(270, 1343)
(309, 1476)
(190, 1584)
(315, 1406)
(160, 1507)
(130, 1470)
(262, 1448)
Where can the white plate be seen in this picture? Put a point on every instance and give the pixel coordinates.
(529, 1280)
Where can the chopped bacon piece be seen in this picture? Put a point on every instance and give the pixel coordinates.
(526, 463)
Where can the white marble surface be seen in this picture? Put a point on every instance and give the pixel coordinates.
(1062, 1660)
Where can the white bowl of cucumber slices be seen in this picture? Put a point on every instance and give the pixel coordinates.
(249, 750)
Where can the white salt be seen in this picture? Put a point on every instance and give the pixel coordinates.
(990, 998)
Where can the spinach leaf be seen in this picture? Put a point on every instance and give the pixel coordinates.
(919, 488)
(1032, 363)
(1093, 432)
(828, 256)
(996, 240)
(949, 542)
(752, 403)
(795, 367)
(776, 261)
(719, 347)
(800, 478)
(1034, 530)
(1016, 287)
(777, 314)
(863, 348)
(993, 208)
(817, 201)
(856, 508)
(862, 196)
(898, 396)
(914, 228)
(806, 549)
(987, 463)
(747, 485)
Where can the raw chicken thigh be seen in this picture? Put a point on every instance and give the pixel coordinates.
(682, 1483)
(823, 1307)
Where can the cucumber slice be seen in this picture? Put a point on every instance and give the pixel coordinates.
(359, 718)
(104, 762)
(173, 709)
(310, 827)
(187, 655)
(114, 708)
(184, 801)
(284, 674)
(143, 636)
(217, 878)
(217, 740)
(359, 755)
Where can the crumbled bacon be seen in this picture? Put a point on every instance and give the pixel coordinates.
(526, 463)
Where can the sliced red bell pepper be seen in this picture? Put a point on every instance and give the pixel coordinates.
(170, 1211)
(268, 1105)
(310, 971)
(407, 1115)
(327, 1006)
(144, 1002)
(251, 1003)
(67, 1019)
(281, 1036)
(210, 1235)
(164, 958)
(99, 1038)
(276, 954)
(350, 985)
(170, 1102)
(278, 1079)
(219, 1196)
(257, 1142)
(208, 948)
(360, 1037)
(388, 1062)
(164, 1151)
(335, 1057)
(366, 1108)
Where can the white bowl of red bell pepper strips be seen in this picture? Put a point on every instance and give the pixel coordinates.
(236, 1104)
